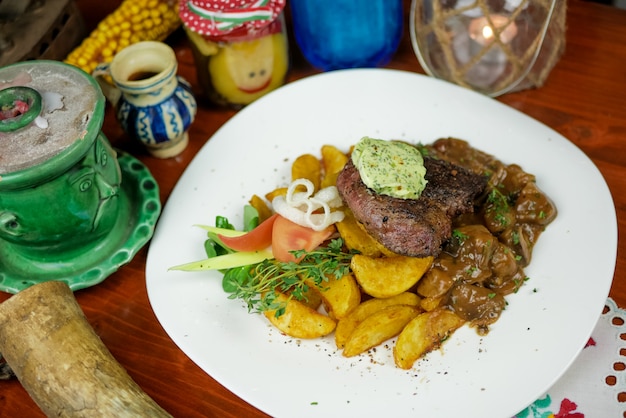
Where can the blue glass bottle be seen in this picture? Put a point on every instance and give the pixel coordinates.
(336, 34)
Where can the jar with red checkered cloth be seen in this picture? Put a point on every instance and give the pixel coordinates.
(240, 47)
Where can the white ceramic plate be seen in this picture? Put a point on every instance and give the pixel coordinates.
(544, 327)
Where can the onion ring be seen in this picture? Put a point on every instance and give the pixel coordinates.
(301, 207)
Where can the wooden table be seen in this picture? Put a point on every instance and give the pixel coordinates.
(584, 99)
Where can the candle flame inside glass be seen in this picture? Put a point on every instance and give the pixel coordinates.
(487, 32)
(481, 29)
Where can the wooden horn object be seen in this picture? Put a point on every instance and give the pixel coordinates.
(60, 360)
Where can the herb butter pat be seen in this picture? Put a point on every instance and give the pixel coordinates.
(392, 168)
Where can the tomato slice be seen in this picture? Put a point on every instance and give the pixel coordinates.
(257, 239)
(289, 236)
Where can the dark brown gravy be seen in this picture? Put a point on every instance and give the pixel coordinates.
(485, 259)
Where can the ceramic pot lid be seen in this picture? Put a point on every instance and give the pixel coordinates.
(45, 106)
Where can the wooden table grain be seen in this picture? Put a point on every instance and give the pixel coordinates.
(584, 99)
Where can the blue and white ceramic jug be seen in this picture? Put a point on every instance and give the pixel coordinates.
(154, 105)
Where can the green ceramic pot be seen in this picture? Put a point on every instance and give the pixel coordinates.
(63, 210)
(68, 199)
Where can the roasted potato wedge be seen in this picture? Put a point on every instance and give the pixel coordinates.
(347, 324)
(431, 303)
(312, 298)
(356, 237)
(379, 327)
(340, 296)
(388, 276)
(259, 204)
(307, 166)
(423, 334)
(333, 161)
(300, 321)
(281, 191)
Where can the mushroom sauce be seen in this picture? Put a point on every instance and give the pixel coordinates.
(485, 258)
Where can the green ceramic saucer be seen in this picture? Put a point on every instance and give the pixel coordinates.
(140, 208)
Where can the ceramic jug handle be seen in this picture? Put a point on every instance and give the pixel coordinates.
(102, 74)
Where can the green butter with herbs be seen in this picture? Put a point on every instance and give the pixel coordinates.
(392, 168)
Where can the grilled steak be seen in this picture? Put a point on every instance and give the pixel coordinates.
(413, 227)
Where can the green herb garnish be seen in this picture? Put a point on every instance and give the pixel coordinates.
(459, 235)
(258, 285)
(498, 204)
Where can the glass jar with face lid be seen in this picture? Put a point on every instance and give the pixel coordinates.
(240, 47)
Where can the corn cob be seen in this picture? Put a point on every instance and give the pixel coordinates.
(133, 21)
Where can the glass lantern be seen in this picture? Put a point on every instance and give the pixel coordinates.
(491, 46)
